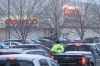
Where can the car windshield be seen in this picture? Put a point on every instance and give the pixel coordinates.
(77, 48)
(16, 63)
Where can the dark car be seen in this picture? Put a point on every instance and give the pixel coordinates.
(88, 55)
(43, 41)
(73, 59)
(89, 47)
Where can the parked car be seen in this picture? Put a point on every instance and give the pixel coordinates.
(91, 59)
(92, 40)
(43, 41)
(26, 60)
(34, 46)
(89, 47)
(74, 59)
(25, 51)
(10, 44)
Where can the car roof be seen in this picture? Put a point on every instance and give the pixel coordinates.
(28, 44)
(33, 45)
(20, 50)
(68, 54)
(78, 52)
(36, 50)
(15, 50)
(23, 56)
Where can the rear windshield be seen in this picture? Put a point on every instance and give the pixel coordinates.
(79, 48)
(16, 63)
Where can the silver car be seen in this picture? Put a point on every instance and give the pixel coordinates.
(25, 51)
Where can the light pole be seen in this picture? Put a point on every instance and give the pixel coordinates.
(9, 19)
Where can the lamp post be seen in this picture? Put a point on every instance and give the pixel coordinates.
(9, 19)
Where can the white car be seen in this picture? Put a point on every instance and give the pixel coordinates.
(26, 51)
(26, 60)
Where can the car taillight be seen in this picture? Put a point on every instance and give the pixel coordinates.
(52, 55)
(3, 52)
(13, 47)
(11, 59)
(78, 45)
(83, 60)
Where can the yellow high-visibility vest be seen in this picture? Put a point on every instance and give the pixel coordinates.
(58, 48)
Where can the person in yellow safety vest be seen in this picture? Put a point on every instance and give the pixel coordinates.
(58, 47)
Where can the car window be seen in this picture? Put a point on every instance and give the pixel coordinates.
(35, 52)
(38, 47)
(7, 44)
(13, 43)
(46, 54)
(22, 46)
(16, 63)
(0, 46)
(3, 46)
(43, 62)
(46, 48)
(53, 63)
